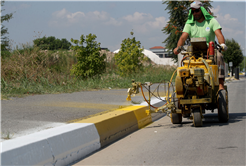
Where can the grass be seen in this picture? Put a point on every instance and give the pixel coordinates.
(32, 71)
(6, 135)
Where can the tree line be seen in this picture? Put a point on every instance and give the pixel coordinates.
(51, 43)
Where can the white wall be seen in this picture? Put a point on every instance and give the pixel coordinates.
(156, 59)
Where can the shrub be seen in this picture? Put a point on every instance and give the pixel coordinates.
(32, 64)
(130, 57)
(51, 43)
(5, 53)
(89, 61)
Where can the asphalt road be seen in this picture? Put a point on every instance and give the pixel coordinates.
(23, 116)
(163, 143)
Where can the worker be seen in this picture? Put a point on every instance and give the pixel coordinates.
(201, 24)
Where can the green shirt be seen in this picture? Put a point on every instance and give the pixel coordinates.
(203, 29)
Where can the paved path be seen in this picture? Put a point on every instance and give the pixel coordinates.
(23, 116)
(163, 143)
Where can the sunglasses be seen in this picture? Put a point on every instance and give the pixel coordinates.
(195, 11)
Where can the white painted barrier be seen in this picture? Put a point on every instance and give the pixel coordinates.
(61, 145)
(57, 146)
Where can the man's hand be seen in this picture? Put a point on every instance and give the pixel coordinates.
(175, 51)
(181, 41)
(224, 47)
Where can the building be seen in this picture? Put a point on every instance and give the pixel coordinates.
(161, 52)
(156, 59)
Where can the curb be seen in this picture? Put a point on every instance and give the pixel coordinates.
(230, 79)
(56, 146)
(66, 144)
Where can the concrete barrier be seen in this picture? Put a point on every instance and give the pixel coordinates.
(66, 144)
(56, 146)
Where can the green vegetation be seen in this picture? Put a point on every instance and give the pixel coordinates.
(39, 72)
(130, 57)
(242, 64)
(4, 31)
(51, 43)
(6, 135)
(32, 70)
(90, 62)
(178, 15)
(233, 54)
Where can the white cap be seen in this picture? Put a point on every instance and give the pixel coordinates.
(196, 4)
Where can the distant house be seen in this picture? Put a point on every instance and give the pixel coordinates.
(161, 51)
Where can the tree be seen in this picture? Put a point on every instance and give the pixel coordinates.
(90, 62)
(234, 53)
(4, 30)
(178, 15)
(51, 43)
(129, 58)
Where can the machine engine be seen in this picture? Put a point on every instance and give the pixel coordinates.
(190, 82)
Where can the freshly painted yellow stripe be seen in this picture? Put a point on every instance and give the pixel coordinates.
(140, 112)
(113, 125)
(83, 105)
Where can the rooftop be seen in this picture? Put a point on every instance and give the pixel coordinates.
(157, 47)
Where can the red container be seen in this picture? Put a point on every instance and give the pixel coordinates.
(211, 48)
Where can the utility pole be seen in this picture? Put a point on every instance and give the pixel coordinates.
(244, 65)
(244, 59)
(230, 65)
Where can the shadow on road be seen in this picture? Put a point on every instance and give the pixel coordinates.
(210, 120)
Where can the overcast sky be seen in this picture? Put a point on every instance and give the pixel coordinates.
(110, 21)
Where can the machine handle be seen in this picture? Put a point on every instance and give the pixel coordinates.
(180, 48)
(218, 47)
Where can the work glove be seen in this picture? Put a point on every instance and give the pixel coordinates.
(224, 47)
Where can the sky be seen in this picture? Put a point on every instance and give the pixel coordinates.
(110, 21)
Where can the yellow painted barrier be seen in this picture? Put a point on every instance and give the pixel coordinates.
(113, 125)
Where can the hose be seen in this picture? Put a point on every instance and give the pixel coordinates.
(157, 88)
(146, 99)
(169, 84)
(183, 59)
(166, 94)
(207, 53)
(152, 93)
(207, 66)
(190, 61)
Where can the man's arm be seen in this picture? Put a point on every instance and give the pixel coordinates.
(181, 41)
(219, 36)
(221, 39)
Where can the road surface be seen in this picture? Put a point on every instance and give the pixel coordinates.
(163, 143)
(23, 116)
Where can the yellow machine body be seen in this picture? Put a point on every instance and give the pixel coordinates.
(199, 64)
(194, 80)
(197, 85)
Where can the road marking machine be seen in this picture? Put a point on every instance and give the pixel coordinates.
(196, 86)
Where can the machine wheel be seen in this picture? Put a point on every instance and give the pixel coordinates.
(176, 118)
(223, 115)
(197, 117)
